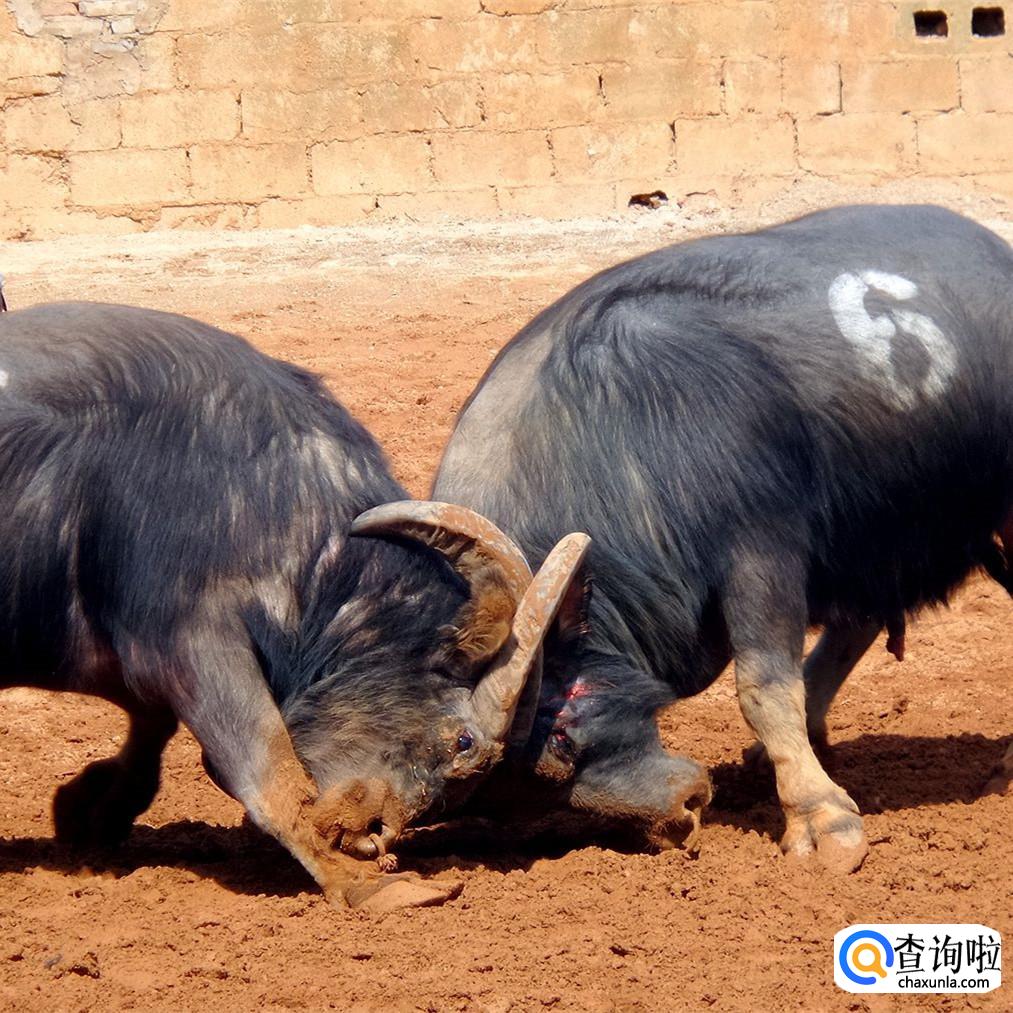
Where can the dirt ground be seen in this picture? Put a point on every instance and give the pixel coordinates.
(198, 911)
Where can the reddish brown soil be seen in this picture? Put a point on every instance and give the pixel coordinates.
(198, 911)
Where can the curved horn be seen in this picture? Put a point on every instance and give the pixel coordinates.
(493, 566)
(496, 697)
(482, 553)
(469, 541)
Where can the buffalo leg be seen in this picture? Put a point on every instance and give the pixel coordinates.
(245, 741)
(829, 663)
(766, 613)
(999, 558)
(99, 806)
(1001, 570)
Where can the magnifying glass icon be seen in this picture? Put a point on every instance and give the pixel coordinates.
(867, 957)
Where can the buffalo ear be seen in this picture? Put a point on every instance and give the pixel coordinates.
(483, 624)
(491, 564)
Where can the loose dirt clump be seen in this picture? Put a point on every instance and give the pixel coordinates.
(198, 910)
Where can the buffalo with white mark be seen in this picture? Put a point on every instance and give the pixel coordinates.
(809, 425)
(175, 511)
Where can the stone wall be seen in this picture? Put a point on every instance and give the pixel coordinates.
(119, 115)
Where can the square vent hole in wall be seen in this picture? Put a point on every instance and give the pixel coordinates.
(931, 24)
(987, 22)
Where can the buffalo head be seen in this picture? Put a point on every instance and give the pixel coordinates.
(426, 668)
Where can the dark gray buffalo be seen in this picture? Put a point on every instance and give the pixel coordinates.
(174, 518)
(807, 425)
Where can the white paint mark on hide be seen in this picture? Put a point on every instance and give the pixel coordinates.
(5, 378)
(873, 335)
(942, 355)
(892, 285)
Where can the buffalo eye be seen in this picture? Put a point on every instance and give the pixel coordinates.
(464, 742)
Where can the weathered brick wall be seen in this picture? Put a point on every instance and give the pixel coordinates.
(129, 114)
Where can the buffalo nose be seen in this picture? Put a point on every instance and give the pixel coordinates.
(691, 794)
(373, 842)
(360, 817)
(695, 790)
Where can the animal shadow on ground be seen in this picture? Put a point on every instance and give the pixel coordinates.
(242, 858)
(882, 773)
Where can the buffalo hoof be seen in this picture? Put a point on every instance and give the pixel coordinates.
(832, 831)
(98, 807)
(392, 893)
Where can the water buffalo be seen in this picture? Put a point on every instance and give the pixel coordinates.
(809, 425)
(174, 518)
